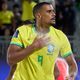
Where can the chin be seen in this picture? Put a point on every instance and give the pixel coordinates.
(53, 23)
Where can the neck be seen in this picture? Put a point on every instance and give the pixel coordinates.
(42, 28)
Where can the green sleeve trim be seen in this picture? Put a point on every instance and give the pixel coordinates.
(67, 54)
(12, 43)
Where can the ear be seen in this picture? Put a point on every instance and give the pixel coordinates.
(38, 15)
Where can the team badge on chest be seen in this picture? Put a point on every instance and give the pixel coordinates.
(50, 49)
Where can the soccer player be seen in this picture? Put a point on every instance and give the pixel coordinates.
(35, 47)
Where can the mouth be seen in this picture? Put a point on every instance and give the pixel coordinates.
(53, 19)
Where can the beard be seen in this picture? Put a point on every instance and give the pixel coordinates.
(52, 23)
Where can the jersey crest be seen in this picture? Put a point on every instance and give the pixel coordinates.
(50, 49)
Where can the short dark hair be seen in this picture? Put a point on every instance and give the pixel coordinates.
(38, 6)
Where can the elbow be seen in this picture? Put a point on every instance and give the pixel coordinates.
(9, 60)
(74, 68)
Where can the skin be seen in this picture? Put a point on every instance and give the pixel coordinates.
(44, 18)
(72, 67)
(56, 72)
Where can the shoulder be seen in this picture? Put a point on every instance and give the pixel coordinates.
(58, 33)
(24, 28)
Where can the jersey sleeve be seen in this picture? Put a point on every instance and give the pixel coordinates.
(16, 39)
(65, 47)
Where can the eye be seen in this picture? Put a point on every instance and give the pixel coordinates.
(49, 11)
(54, 11)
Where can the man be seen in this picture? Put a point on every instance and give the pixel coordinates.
(34, 48)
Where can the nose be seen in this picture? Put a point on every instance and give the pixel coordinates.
(53, 13)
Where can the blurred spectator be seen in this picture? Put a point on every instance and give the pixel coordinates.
(12, 2)
(65, 16)
(17, 16)
(27, 7)
(6, 18)
(69, 17)
(78, 4)
(59, 14)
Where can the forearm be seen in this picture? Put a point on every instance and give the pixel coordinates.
(73, 71)
(72, 66)
(15, 57)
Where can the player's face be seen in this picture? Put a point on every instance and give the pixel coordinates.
(47, 14)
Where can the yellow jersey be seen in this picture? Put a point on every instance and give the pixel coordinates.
(40, 64)
(6, 17)
(27, 10)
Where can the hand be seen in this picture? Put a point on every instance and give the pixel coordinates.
(41, 41)
(67, 78)
(70, 78)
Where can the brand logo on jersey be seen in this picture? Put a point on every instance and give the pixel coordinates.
(50, 49)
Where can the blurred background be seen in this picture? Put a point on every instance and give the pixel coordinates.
(14, 13)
